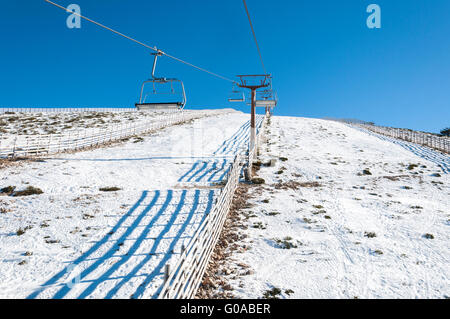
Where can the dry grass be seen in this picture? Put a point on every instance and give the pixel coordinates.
(110, 189)
(296, 185)
(30, 190)
(229, 237)
(8, 190)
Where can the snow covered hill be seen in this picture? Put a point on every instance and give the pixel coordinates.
(343, 214)
(20, 123)
(110, 219)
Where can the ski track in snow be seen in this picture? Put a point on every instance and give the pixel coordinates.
(127, 258)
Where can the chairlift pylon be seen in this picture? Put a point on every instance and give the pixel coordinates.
(149, 101)
(266, 97)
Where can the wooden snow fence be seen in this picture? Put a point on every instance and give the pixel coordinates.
(184, 278)
(33, 145)
(440, 143)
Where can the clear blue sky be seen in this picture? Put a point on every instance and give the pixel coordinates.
(324, 59)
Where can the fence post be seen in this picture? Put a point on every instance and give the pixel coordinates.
(166, 273)
(14, 147)
(49, 143)
(27, 146)
(59, 143)
(76, 140)
(38, 149)
(84, 139)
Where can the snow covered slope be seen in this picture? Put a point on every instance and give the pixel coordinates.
(344, 214)
(76, 241)
(362, 216)
(19, 123)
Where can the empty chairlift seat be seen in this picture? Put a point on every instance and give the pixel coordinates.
(236, 95)
(266, 98)
(160, 93)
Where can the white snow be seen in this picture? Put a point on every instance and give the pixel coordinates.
(20, 123)
(115, 244)
(334, 258)
(112, 244)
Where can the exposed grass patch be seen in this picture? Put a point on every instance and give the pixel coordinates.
(370, 234)
(296, 185)
(8, 190)
(138, 139)
(52, 241)
(259, 225)
(308, 220)
(257, 164)
(258, 181)
(285, 243)
(428, 236)
(395, 178)
(273, 293)
(273, 214)
(29, 191)
(12, 119)
(310, 184)
(110, 189)
(21, 231)
(289, 292)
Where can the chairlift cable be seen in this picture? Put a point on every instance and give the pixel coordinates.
(254, 36)
(141, 43)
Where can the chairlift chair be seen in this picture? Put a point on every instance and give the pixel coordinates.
(236, 95)
(266, 98)
(149, 101)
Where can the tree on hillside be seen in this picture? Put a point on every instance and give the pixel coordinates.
(445, 131)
